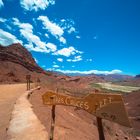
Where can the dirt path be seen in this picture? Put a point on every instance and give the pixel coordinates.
(8, 96)
(24, 124)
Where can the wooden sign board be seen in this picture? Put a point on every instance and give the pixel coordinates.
(28, 77)
(105, 106)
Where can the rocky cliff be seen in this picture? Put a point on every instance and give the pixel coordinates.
(16, 62)
(16, 53)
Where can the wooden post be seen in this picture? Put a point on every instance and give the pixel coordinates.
(52, 122)
(38, 82)
(27, 84)
(100, 129)
(53, 119)
(28, 77)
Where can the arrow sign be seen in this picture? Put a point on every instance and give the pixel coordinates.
(106, 106)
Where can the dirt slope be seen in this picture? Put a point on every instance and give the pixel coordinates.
(133, 104)
(75, 124)
(16, 62)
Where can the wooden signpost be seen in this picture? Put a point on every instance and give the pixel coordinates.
(38, 82)
(28, 78)
(103, 106)
(52, 122)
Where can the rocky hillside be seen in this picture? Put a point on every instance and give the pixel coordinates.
(16, 53)
(16, 62)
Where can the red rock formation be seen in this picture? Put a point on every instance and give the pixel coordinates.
(16, 62)
(18, 54)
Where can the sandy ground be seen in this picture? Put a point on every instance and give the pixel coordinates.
(24, 124)
(71, 124)
(8, 96)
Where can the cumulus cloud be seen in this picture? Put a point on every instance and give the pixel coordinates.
(53, 28)
(72, 29)
(51, 46)
(60, 59)
(68, 25)
(57, 29)
(90, 72)
(47, 35)
(78, 37)
(67, 51)
(76, 59)
(63, 40)
(55, 66)
(3, 19)
(7, 38)
(36, 5)
(1, 4)
(26, 30)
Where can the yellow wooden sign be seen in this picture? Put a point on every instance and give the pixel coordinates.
(106, 106)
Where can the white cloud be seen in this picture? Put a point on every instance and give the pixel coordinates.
(53, 28)
(67, 51)
(63, 20)
(1, 4)
(90, 72)
(36, 5)
(36, 49)
(60, 59)
(63, 40)
(47, 35)
(7, 38)
(24, 26)
(51, 46)
(36, 60)
(3, 19)
(66, 24)
(76, 59)
(78, 37)
(90, 60)
(55, 66)
(72, 29)
(8, 27)
(26, 30)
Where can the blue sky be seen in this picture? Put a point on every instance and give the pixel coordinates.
(85, 36)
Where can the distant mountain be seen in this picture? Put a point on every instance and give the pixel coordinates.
(16, 62)
(109, 77)
(116, 77)
(137, 76)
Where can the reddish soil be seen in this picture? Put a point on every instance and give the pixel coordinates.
(133, 104)
(76, 124)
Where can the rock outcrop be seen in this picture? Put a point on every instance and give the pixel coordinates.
(16, 53)
(16, 62)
